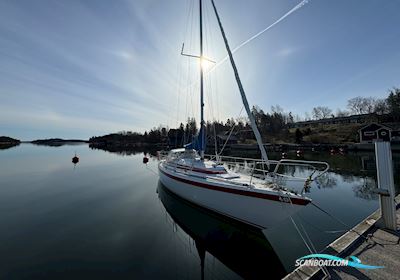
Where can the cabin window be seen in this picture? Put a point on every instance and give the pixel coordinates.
(383, 133)
(369, 133)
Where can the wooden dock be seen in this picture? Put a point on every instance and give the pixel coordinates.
(368, 242)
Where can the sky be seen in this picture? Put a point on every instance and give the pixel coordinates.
(76, 69)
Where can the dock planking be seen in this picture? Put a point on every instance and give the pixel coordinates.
(380, 248)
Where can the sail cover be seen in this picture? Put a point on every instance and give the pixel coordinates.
(198, 142)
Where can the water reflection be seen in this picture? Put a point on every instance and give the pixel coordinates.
(350, 166)
(326, 180)
(242, 248)
(122, 151)
(366, 189)
(4, 146)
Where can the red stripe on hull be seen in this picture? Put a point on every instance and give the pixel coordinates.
(296, 201)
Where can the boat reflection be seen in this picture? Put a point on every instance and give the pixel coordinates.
(240, 247)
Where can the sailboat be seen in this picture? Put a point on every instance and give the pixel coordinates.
(258, 201)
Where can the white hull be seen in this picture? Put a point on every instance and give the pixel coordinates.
(257, 211)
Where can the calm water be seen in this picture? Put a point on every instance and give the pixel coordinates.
(110, 218)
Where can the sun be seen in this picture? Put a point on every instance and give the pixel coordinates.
(205, 63)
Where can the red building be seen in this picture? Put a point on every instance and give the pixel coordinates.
(374, 131)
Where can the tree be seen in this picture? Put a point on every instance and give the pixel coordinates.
(362, 105)
(325, 112)
(356, 105)
(190, 129)
(393, 102)
(369, 104)
(290, 118)
(257, 114)
(381, 107)
(342, 113)
(316, 113)
(242, 119)
(164, 131)
(298, 135)
(230, 123)
(277, 109)
(182, 128)
(240, 123)
(321, 112)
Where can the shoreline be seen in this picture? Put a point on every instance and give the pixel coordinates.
(354, 147)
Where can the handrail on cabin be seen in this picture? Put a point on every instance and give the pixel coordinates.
(285, 162)
(278, 163)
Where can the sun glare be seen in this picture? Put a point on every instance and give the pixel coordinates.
(205, 63)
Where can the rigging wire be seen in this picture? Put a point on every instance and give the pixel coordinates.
(255, 36)
(230, 133)
(189, 76)
(208, 80)
(208, 90)
(241, 90)
(192, 84)
(180, 67)
(295, 8)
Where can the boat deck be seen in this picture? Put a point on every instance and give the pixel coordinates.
(229, 178)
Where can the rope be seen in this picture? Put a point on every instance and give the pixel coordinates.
(319, 229)
(324, 269)
(339, 221)
(310, 247)
(298, 231)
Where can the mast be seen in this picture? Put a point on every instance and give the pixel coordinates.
(242, 93)
(202, 138)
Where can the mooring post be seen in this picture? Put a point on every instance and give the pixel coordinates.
(384, 169)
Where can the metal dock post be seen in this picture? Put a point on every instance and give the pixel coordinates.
(384, 169)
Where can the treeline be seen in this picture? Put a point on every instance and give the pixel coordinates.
(361, 105)
(56, 141)
(8, 142)
(164, 135)
(276, 122)
(6, 139)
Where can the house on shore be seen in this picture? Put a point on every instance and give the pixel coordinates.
(384, 132)
(353, 119)
(224, 138)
